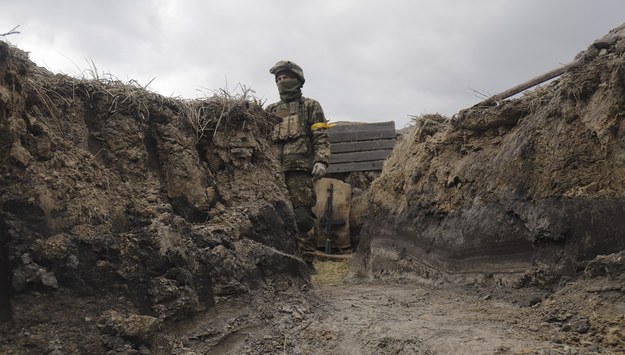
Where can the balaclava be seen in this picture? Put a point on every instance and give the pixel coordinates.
(290, 89)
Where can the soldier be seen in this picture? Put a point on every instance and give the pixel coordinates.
(303, 148)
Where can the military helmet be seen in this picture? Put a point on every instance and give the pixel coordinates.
(286, 65)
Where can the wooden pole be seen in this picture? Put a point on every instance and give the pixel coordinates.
(526, 85)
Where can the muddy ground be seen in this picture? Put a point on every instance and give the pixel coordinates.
(410, 316)
(132, 223)
(336, 315)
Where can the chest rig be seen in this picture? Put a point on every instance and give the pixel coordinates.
(293, 124)
(292, 136)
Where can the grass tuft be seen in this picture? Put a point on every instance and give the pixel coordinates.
(330, 272)
(206, 116)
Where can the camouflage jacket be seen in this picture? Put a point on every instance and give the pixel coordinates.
(301, 139)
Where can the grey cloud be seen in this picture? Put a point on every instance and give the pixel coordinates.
(364, 60)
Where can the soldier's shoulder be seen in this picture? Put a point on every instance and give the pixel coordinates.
(273, 106)
(310, 102)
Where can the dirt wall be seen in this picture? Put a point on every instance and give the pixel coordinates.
(534, 182)
(131, 209)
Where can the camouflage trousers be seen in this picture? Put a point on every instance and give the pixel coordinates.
(303, 198)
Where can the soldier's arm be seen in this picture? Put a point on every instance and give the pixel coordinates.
(320, 138)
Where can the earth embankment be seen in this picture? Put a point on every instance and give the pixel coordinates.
(533, 182)
(122, 211)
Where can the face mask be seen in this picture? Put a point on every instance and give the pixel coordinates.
(289, 89)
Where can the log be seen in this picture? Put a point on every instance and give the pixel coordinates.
(526, 85)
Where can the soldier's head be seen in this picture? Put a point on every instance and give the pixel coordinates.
(286, 69)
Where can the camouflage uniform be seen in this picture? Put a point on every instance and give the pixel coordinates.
(301, 140)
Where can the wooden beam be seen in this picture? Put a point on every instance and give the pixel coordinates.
(377, 126)
(360, 135)
(360, 147)
(346, 147)
(526, 85)
(366, 155)
(355, 166)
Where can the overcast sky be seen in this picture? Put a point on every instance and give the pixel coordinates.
(367, 61)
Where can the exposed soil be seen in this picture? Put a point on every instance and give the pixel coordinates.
(131, 223)
(131, 210)
(533, 182)
(409, 316)
(398, 316)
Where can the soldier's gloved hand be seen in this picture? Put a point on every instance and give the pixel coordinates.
(319, 170)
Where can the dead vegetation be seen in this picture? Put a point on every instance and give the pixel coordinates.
(135, 223)
(331, 272)
(12, 31)
(205, 116)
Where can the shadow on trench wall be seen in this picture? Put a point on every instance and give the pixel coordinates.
(5, 272)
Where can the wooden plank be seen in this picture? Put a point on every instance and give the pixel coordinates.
(351, 136)
(528, 84)
(360, 147)
(355, 166)
(346, 147)
(359, 156)
(363, 127)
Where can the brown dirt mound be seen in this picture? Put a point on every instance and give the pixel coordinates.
(532, 183)
(131, 209)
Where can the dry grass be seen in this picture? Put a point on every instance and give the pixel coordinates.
(207, 114)
(52, 118)
(437, 117)
(13, 31)
(204, 116)
(125, 97)
(330, 272)
(195, 115)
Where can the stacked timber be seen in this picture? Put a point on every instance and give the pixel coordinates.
(360, 147)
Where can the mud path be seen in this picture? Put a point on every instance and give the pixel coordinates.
(389, 317)
(410, 318)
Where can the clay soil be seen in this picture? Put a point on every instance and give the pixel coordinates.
(131, 223)
(336, 315)
(409, 316)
